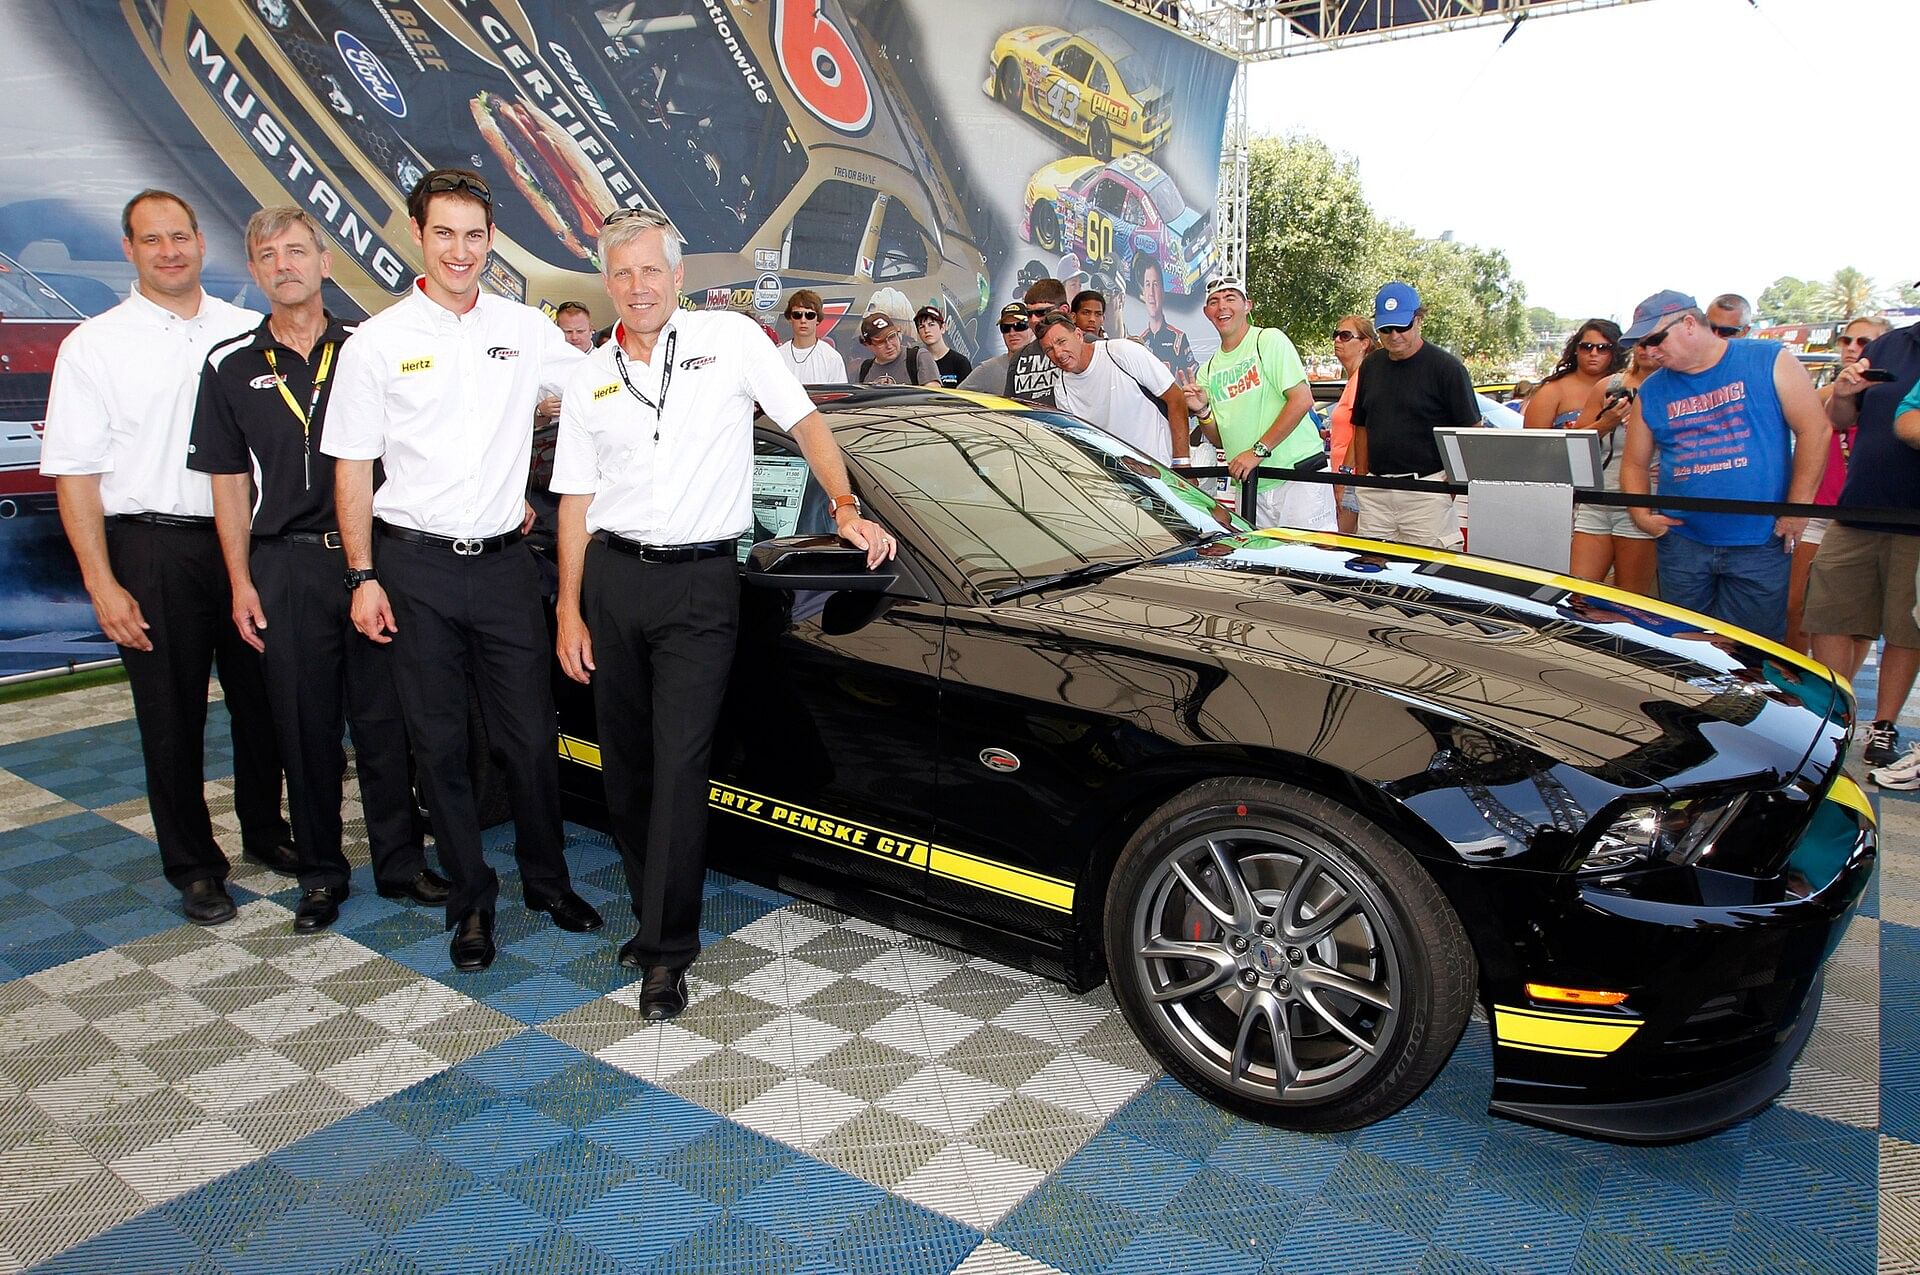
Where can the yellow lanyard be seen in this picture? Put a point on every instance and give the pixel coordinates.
(293, 404)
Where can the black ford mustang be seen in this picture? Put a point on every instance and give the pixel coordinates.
(1304, 799)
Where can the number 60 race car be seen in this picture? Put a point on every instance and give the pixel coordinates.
(1306, 800)
(1092, 87)
(1119, 218)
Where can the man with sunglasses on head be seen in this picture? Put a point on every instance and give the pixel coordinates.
(656, 464)
(440, 388)
(814, 362)
(1407, 388)
(1730, 315)
(1732, 420)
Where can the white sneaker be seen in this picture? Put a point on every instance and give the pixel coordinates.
(1902, 775)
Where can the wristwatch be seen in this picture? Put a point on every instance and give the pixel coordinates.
(848, 501)
(1262, 450)
(357, 576)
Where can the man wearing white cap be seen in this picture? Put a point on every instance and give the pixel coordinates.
(1407, 389)
(1252, 398)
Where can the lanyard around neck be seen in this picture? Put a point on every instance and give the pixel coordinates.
(666, 379)
(305, 417)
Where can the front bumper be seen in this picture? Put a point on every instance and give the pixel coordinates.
(1722, 993)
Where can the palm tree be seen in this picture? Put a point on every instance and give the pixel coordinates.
(1850, 293)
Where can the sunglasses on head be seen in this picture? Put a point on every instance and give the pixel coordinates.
(447, 183)
(1721, 329)
(808, 315)
(1020, 325)
(1344, 335)
(1595, 347)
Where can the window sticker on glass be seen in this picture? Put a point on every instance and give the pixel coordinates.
(779, 488)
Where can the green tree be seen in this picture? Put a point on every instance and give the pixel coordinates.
(1790, 300)
(1848, 293)
(1475, 307)
(1542, 322)
(1309, 230)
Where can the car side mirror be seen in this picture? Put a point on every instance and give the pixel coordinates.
(815, 562)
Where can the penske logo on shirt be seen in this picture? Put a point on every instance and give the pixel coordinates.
(267, 382)
(502, 352)
(422, 364)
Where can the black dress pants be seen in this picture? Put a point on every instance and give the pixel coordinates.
(177, 576)
(663, 640)
(480, 617)
(323, 675)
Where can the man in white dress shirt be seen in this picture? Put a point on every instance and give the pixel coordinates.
(655, 464)
(141, 525)
(440, 388)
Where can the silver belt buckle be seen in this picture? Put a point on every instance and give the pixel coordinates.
(467, 547)
(330, 540)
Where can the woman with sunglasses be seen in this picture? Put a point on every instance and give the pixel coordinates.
(1591, 354)
(1849, 345)
(1353, 340)
(1606, 539)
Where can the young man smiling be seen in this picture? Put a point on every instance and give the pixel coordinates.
(441, 388)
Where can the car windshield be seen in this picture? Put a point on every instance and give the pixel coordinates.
(1015, 497)
(24, 297)
(1167, 199)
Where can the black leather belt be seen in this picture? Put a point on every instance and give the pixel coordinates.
(669, 553)
(465, 546)
(166, 520)
(325, 539)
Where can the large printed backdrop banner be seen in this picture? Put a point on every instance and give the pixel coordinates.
(948, 153)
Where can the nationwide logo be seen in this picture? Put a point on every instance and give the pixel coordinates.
(502, 352)
(266, 382)
(372, 74)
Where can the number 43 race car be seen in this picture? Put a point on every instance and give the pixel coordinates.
(1092, 87)
(1120, 218)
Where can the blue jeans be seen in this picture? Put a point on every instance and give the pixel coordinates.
(1741, 584)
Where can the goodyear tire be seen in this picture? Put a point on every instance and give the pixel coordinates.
(1006, 84)
(1046, 227)
(1100, 141)
(1285, 958)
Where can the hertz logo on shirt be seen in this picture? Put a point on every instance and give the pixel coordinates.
(416, 365)
(606, 391)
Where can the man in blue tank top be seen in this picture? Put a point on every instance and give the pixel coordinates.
(1730, 420)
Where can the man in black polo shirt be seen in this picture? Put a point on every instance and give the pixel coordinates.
(1407, 388)
(263, 403)
(1862, 582)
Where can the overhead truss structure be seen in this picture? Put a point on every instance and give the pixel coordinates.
(1261, 30)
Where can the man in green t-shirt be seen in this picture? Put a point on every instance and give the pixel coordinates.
(1252, 400)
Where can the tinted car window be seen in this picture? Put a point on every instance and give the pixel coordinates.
(825, 235)
(902, 250)
(786, 499)
(1016, 496)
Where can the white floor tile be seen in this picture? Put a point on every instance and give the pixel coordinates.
(975, 1187)
(215, 961)
(408, 1009)
(190, 1158)
(781, 931)
(942, 1098)
(786, 982)
(258, 1073)
(382, 1071)
(279, 1017)
(923, 1030)
(105, 1085)
(799, 1112)
(88, 971)
(792, 1041)
(155, 1021)
(323, 957)
(1051, 1018)
(658, 1053)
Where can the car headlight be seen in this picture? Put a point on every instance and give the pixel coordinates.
(1679, 832)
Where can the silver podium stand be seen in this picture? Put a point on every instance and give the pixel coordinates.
(1521, 484)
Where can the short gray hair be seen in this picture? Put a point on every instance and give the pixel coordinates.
(1732, 301)
(271, 223)
(629, 224)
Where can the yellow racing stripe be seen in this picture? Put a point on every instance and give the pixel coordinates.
(1579, 1035)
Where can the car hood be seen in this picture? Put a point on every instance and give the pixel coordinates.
(1184, 222)
(1610, 682)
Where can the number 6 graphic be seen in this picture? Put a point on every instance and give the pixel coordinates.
(820, 67)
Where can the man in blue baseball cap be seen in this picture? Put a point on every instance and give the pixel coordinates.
(1406, 389)
(1732, 420)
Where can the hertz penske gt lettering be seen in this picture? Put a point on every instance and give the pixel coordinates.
(1306, 800)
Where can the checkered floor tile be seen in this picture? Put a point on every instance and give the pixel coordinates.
(838, 1097)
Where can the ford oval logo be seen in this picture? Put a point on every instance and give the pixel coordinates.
(999, 759)
(372, 74)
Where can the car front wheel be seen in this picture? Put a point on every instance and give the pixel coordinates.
(1046, 227)
(1100, 141)
(1007, 84)
(1283, 957)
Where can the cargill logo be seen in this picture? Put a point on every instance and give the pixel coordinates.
(372, 74)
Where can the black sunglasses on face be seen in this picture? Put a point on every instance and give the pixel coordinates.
(1394, 329)
(1344, 335)
(1595, 347)
(808, 315)
(1721, 329)
(1854, 340)
(1021, 326)
(447, 183)
(1652, 340)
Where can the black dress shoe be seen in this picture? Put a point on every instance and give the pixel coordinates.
(206, 902)
(472, 947)
(569, 911)
(631, 954)
(318, 908)
(283, 859)
(425, 886)
(664, 994)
